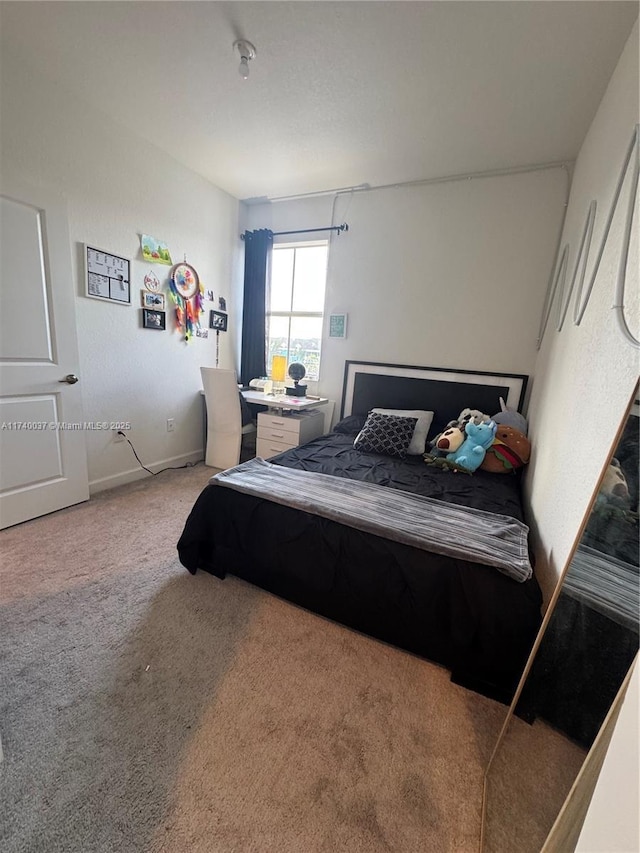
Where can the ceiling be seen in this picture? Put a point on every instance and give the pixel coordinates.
(340, 93)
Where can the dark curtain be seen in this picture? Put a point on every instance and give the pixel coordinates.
(257, 257)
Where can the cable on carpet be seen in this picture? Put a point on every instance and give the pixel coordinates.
(155, 473)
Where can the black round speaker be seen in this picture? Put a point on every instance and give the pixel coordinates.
(297, 372)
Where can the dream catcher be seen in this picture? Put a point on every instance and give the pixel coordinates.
(187, 294)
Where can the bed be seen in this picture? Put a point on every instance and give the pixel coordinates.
(453, 602)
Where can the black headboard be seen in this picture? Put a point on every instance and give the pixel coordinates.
(446, 392)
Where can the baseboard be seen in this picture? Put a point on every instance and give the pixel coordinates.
(134, 474)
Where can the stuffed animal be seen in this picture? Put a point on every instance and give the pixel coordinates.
(474, 415)
(444, 465)
(459, 423)
(613, 498)
(614, 482)
(509, 418)
(511, 449)
(472, 451)
(446, 442)
(450, 439)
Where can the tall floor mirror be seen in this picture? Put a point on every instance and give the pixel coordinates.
(587, 643)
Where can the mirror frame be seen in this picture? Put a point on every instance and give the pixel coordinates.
(542, 630)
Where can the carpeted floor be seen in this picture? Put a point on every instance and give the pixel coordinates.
(143, 709)
(529, 780)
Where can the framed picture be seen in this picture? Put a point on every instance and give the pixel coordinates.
(218, 321)
(337, 325)
(152, 300)
(107, 276)
(152, 319)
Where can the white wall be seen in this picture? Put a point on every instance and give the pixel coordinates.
(118, 186)
(450, 274)
(585, 374)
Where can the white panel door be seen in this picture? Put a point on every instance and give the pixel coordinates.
(43, 461)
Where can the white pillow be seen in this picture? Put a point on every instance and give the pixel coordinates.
(419, 440)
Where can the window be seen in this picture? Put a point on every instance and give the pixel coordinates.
(296, 304)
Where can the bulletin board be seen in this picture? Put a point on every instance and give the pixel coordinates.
(107, 276)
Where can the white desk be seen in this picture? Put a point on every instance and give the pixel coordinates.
(287, 423)
(282, 401)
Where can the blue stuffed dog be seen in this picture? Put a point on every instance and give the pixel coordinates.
(472, 451)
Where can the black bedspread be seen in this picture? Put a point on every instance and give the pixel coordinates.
(335, 454)
(468, 617)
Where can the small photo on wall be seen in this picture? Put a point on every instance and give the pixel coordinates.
(153, 300)
(337, 325)
(153, 319)
(218, 321)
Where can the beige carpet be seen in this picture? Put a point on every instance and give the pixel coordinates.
(529, 780)
(143, 709)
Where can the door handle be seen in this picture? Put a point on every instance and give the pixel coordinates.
(70, 379)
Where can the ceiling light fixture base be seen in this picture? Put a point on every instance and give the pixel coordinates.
(247, 52)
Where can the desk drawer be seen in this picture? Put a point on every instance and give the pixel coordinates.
(276, 434)
(267, 422)
(267, 448)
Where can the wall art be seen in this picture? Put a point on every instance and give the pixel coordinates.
(218, 321)
(152, 300)
(153, 319)
(154, 250)
(187, 293)
(152, 282)
(337, 325)
(107, 276)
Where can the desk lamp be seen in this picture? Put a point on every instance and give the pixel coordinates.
(278, 369)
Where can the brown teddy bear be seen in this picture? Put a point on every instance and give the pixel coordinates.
(511, 449)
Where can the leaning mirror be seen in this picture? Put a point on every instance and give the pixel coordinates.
(586, 646)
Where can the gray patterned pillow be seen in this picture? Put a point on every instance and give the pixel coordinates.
(386, 434)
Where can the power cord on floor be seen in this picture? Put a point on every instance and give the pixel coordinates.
(155, 473)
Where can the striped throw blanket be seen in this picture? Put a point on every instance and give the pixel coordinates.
(606, 584)
(431, 525)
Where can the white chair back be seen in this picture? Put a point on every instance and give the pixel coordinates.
(224, 421)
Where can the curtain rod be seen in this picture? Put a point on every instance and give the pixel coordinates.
(338, 228)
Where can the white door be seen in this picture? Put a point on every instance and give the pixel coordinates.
(43, 462)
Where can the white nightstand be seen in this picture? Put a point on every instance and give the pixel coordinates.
(282, 432)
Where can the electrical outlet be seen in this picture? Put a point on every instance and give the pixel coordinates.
(117, 436)
(170, 425)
